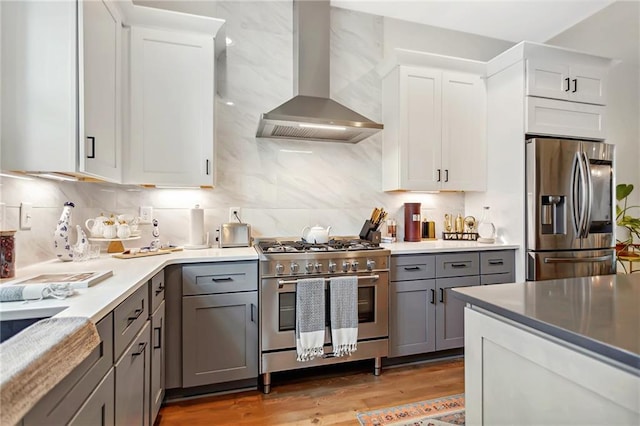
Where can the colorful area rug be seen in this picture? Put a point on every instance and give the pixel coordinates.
(444, 411)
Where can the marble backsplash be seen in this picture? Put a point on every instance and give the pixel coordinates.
(280, 186)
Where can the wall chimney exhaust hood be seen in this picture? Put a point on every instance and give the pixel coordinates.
(311, 115)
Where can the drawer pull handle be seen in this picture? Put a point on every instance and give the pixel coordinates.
(496, 262)
(411, 268)
(159, 337)
(433, 297)
(141, 348)
(136, 315)
(217, 280)
(160, 289)
(252, 309)
(458, 265)
(442, 295)
(566, 80)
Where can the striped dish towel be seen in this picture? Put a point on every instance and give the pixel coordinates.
(38, 358)
(344, 315)
(310, 318)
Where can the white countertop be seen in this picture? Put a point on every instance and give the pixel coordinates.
(129, 274)
(441, 246)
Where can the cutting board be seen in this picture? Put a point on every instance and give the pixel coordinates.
(145, 254)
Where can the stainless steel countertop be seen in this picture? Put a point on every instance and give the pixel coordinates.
(600, 314)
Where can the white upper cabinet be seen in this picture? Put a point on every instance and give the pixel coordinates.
(60, 88)
(574, 83)
(100, 119)
(434, 136)
(171, 94)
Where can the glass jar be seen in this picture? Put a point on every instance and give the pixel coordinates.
(486, 228)
(7, 254)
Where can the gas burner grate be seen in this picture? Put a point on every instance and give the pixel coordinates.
(304, 247)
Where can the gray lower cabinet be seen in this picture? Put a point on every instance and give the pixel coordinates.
(450, 312)
(219, 323)
(497, 267)
(98, 409)
(157, 360)
(132, 381)
(423, 316)
(220, 338)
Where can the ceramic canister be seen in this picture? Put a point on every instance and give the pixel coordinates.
(412, 227)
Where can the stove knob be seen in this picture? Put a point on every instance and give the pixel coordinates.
(318, 267)
(345, 266)
(332, 266)
(354, 265)
(279, 268)
(309, 267)
(371, 264)
(294, 268)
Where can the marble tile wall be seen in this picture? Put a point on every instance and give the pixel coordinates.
(281, 186)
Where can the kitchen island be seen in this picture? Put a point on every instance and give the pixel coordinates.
(553, 352)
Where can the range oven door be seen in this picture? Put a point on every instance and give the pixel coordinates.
(278, 307)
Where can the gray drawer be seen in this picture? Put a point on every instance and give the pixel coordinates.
(128, 319)
(497, 262)
(508, 277)
(457, 265)
(63, 401)
(412, 267)
(156, 291)
(223, 277)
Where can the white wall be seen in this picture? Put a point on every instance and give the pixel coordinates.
(279, 191)
(614, 32)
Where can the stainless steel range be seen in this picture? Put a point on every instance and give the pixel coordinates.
(282, 263)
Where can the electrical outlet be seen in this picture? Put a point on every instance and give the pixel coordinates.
(26, 216)
(233, 211)
(146, 214)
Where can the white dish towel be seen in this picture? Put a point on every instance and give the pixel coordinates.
(344, 315)
(310, 319)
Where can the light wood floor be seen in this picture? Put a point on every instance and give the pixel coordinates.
(326, 398)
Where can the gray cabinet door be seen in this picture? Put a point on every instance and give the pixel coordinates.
(98, 409)
(157, 360)
(220, 338)
(450, 312)
(132, 381)
(412, 328)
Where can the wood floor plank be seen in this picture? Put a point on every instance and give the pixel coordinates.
(323, 399)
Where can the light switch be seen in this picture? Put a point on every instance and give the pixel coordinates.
(26, 215)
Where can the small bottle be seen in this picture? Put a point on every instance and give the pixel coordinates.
(459, 223)
(486, 228)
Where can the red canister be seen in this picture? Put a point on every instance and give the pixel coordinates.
(412, 231)
(7, 254)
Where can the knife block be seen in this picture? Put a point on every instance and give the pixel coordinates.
(367, 229)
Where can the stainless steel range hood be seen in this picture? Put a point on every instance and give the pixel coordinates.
(311, 115)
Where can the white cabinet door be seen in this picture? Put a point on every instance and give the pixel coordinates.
(550, 117)
(547, 79)
(588, 85)
(421, 91)
(566, 81)
(434, 134)
(100, 50)
(172, 96)
(463, 132)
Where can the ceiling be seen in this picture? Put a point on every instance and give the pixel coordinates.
(511, 20)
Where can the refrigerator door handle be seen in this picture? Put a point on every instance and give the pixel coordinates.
(577, 204)
(589, 196)
(604, 258)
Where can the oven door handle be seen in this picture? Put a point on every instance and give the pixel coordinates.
(281, 283)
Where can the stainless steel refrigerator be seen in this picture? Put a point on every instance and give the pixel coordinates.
(570, 208)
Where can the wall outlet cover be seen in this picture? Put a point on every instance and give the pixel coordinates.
(26, 216)
(146, 214)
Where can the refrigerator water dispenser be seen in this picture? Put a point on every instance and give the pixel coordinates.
(552, 215)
